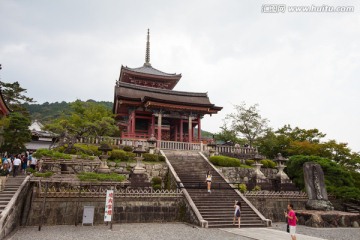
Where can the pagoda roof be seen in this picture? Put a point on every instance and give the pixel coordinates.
(162, 97)
(148, 69)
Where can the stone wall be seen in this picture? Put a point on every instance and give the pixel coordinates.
(15, 210)
(237, 174)
(68, 211)
(273, 208)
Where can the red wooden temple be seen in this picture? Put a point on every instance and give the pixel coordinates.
(145, 104)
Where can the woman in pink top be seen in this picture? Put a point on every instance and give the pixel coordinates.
(291, 221)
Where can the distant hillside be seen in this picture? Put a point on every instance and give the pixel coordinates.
(48, 111)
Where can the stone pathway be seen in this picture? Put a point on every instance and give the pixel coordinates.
(266, 234)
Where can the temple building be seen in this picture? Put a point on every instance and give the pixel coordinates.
(145, 104)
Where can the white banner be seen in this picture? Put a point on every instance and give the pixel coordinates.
(109, 205)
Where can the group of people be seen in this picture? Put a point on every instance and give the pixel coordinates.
(289, 213)
(17, 164)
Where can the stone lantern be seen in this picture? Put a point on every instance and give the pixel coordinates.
(138, 169)
(257, 165)
(212, 148)
(280, 160)
(104, 148)
(152, 144)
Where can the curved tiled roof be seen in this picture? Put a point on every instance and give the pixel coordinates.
(148, 69)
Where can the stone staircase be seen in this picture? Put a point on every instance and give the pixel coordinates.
(216, 207)
(11, 186)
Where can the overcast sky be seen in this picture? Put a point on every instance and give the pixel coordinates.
(301, 68)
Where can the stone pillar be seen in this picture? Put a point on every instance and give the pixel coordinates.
(199, 128)
(190, 129)
(159, 126)
(181, 130)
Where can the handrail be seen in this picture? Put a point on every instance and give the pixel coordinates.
(203, 222)
(265, 220)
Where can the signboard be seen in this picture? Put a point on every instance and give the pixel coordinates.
(109, 205)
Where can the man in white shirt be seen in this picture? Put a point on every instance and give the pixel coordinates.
(33, 161)
(16, 164)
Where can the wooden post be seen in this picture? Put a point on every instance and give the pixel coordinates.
(43, 206)
(181, 130)
(190, 129)
(77, 206)
(199, 128)
(159, 126)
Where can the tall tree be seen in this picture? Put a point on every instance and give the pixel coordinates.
(14, 95)
(16, 133)
(247, 122)
(84, 119)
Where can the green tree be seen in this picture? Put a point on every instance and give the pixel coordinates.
(14, 95)
(247, 122)
(85, 119)
(16, 133)
(228, 135)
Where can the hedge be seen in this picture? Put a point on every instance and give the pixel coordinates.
(153, 157)
(121, 155)
(224, 161)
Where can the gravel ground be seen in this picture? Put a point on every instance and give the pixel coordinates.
(138, 231)
(327, 233)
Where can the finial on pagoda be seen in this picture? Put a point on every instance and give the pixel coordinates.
(147, 55)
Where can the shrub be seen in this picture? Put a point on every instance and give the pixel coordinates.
(51, 153)
(249, 162)
(45, 174)
(91, 176)
(121, 155)
(153, 157)
(128, 148)
(267, 163)
(87, 149)
(156, 183)
(242, 187)
(224, 161)
(257, 188)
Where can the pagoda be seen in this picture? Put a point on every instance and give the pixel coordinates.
(145, 105)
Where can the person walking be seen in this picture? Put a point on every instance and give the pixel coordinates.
(208, 181)
(24, 162)
(16, 165)
(33, 161)
(291, 217)
(237, 212)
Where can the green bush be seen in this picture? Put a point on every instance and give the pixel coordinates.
(338, 180)
(267, 163)
(45, 174)
(156, 183)
(51, 154)
(153, 157)
(224, 161)
(121, 155)
(87, 149)
(91, 176)
(242, 187)
(257, 188)
(128, 148)
(249, 162)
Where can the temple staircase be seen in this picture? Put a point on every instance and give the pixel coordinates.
(11, 186)
(217, 207)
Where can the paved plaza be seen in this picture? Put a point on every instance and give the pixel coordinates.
(172, 231)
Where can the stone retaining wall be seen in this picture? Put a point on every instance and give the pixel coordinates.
(68, 211)
(237, 174)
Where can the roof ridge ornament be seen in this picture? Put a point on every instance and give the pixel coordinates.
(147, 54)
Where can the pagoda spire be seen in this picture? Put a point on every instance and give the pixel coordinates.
(147, 54)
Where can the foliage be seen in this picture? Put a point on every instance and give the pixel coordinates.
(256, 188)
(267, 163)
(16, 133)
(224, 161)
(85, 119)
(156, 183)
(249, 162)
(242, 187)
(128, 148)
(14, 95)
(248, 122)
(121, 155)
(45, 174)
(51, 154)
(153, 157)
(91, 176)
(30, 170)
(228, 135)
(337, 178)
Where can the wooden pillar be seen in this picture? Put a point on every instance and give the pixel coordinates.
(159, 126)
(176, 131)
(181, 130)
(199, 128)
(153, 125)
(133, 122)
(190, 129)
